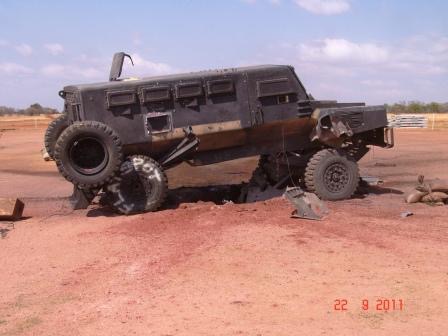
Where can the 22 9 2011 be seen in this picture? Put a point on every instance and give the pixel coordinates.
(376, 305)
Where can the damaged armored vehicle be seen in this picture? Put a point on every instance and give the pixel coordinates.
(121, 136)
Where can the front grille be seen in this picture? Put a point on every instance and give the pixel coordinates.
(70, 97)
(72, 105)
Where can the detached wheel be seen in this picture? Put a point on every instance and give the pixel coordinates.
(88, 154)
(332, 175)
(54, 130)
(141, 186)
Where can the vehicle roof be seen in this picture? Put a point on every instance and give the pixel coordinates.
(182, 76)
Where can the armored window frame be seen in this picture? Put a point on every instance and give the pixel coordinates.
(212, 90)
(263, 89)
(145, 92)
(158, 115)
(178, 90)
(110, 95)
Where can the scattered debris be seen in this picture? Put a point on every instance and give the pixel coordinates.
(307, 205)
(365, 184)
(259, 188)
(256, 194)
(45, 155)
(384, 164)
(11, 209)
(372, 180)
(5, 227)
(434, 192)
(406, 214)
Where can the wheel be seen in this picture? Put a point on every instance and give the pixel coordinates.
(88, 154)
(273, 170)
(141, 186)
(278, 168)
(259, 179)
(54, 130)
(332, 175)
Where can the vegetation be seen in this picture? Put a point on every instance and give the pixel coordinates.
(417, 107)
(34, 109)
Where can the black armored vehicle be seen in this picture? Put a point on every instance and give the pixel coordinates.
(120, 136)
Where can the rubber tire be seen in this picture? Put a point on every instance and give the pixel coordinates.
(129, 194)
(315, 171)
(54, 130)
(259, 179)
(91, 129)
(269, 168)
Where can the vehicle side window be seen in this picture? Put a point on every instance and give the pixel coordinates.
(188, 90)
(276, 91)
(274, 87)
(155, 94)
(220, 86)
(159, 123)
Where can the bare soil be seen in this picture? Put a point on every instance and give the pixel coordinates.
(201, 267)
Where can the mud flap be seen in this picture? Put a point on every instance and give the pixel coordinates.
(307, 205)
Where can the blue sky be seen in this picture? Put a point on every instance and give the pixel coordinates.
(379, 51)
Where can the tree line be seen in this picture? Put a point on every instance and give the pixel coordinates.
(417, 107)
(33, 109)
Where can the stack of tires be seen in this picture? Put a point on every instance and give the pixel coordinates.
(89, 154)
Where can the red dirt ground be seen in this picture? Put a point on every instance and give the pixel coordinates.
(233, 269)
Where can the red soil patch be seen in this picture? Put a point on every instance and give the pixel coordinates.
(205, 269)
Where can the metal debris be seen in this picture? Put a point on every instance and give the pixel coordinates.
(11, 209)
(406, 214)
(45, 155)
(372, 180)
(307, 205)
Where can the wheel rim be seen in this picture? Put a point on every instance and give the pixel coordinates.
(136, 185)
(136, 188)
(336, 177)
(88, 156)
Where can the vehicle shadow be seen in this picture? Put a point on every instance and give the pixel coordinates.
(218, 194)
(366, 190)
(221, 194)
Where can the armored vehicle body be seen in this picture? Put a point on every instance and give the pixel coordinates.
(120, 136)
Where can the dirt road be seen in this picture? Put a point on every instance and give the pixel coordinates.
(233, 269)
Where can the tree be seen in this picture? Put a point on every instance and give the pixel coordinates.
(415, 107)
(433, 107)
(397, 108)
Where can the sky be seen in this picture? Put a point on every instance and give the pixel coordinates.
(377, 51)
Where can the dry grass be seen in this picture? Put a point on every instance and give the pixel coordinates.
(21, 122)
(438, 120)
